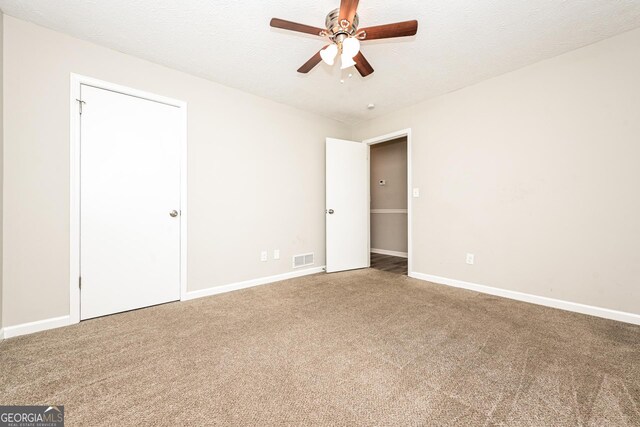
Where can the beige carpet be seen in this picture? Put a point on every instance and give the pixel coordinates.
(358, 348)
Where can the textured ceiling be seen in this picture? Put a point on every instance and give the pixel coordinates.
(459, 42)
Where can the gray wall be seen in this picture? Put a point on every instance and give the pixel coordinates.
(536, 173)
(389, 162)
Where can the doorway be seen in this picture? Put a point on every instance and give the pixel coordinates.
(348, 204)
(389, 238)
(128, 201)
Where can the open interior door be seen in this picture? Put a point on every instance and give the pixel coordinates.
(347, 208)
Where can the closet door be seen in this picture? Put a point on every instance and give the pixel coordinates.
(129, 202)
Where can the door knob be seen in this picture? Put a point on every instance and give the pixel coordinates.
(330, 211)
(173, 213)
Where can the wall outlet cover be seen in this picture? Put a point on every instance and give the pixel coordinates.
(264, 256)
(276, 254)
(470, 259)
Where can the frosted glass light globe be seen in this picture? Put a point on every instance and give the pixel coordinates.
(351, 47)
(347, 61)
(328, 54)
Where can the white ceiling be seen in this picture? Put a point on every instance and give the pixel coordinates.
(459, 42)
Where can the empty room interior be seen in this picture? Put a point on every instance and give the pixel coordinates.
(336, 212)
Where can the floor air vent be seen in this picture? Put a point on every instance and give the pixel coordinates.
(302, 260)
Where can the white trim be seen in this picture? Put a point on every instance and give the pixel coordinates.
(606, 313)
(74, 151)
(74, 197)
(391, 253)
(183, 202)
(37, 326)
(389, 211)
(385, 138)
(250, 283)
(58, 322)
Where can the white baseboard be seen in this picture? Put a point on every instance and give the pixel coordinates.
(57, 322)
(37, 326)
(250, 283)
(392, 253)
(606, 313)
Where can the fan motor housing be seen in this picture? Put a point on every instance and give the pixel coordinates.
(335, 29)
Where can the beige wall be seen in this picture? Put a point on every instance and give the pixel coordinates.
(389, 162)
(536, 172)
(256, 171)
(1, 154)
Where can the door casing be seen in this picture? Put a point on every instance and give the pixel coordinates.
(74, 151)
(389, 137)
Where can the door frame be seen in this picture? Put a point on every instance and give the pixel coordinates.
(76, 80)
(384, 138)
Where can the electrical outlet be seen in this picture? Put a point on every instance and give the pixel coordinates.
(264, 256)
(276, 254)
(416, 192)
(470, 259)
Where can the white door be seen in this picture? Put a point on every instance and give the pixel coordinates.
(347, 206)
(130, 186)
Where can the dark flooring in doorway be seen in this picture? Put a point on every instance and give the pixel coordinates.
(392, 264)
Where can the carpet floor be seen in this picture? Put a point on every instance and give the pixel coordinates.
(365, 347)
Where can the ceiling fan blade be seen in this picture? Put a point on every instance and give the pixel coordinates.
(294, 26)
(398, 29)
(362, 65)
(311, 63)
(348, 10)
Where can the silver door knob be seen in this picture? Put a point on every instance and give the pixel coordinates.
(173, 213)
(330, 211)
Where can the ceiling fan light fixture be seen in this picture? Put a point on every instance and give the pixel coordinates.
(347, 61)
(329, 53)
(342, 28)
(350, 47)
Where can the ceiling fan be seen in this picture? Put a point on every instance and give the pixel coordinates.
(345, 36)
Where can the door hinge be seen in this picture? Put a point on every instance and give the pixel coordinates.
(80, 103)
(80, 282)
